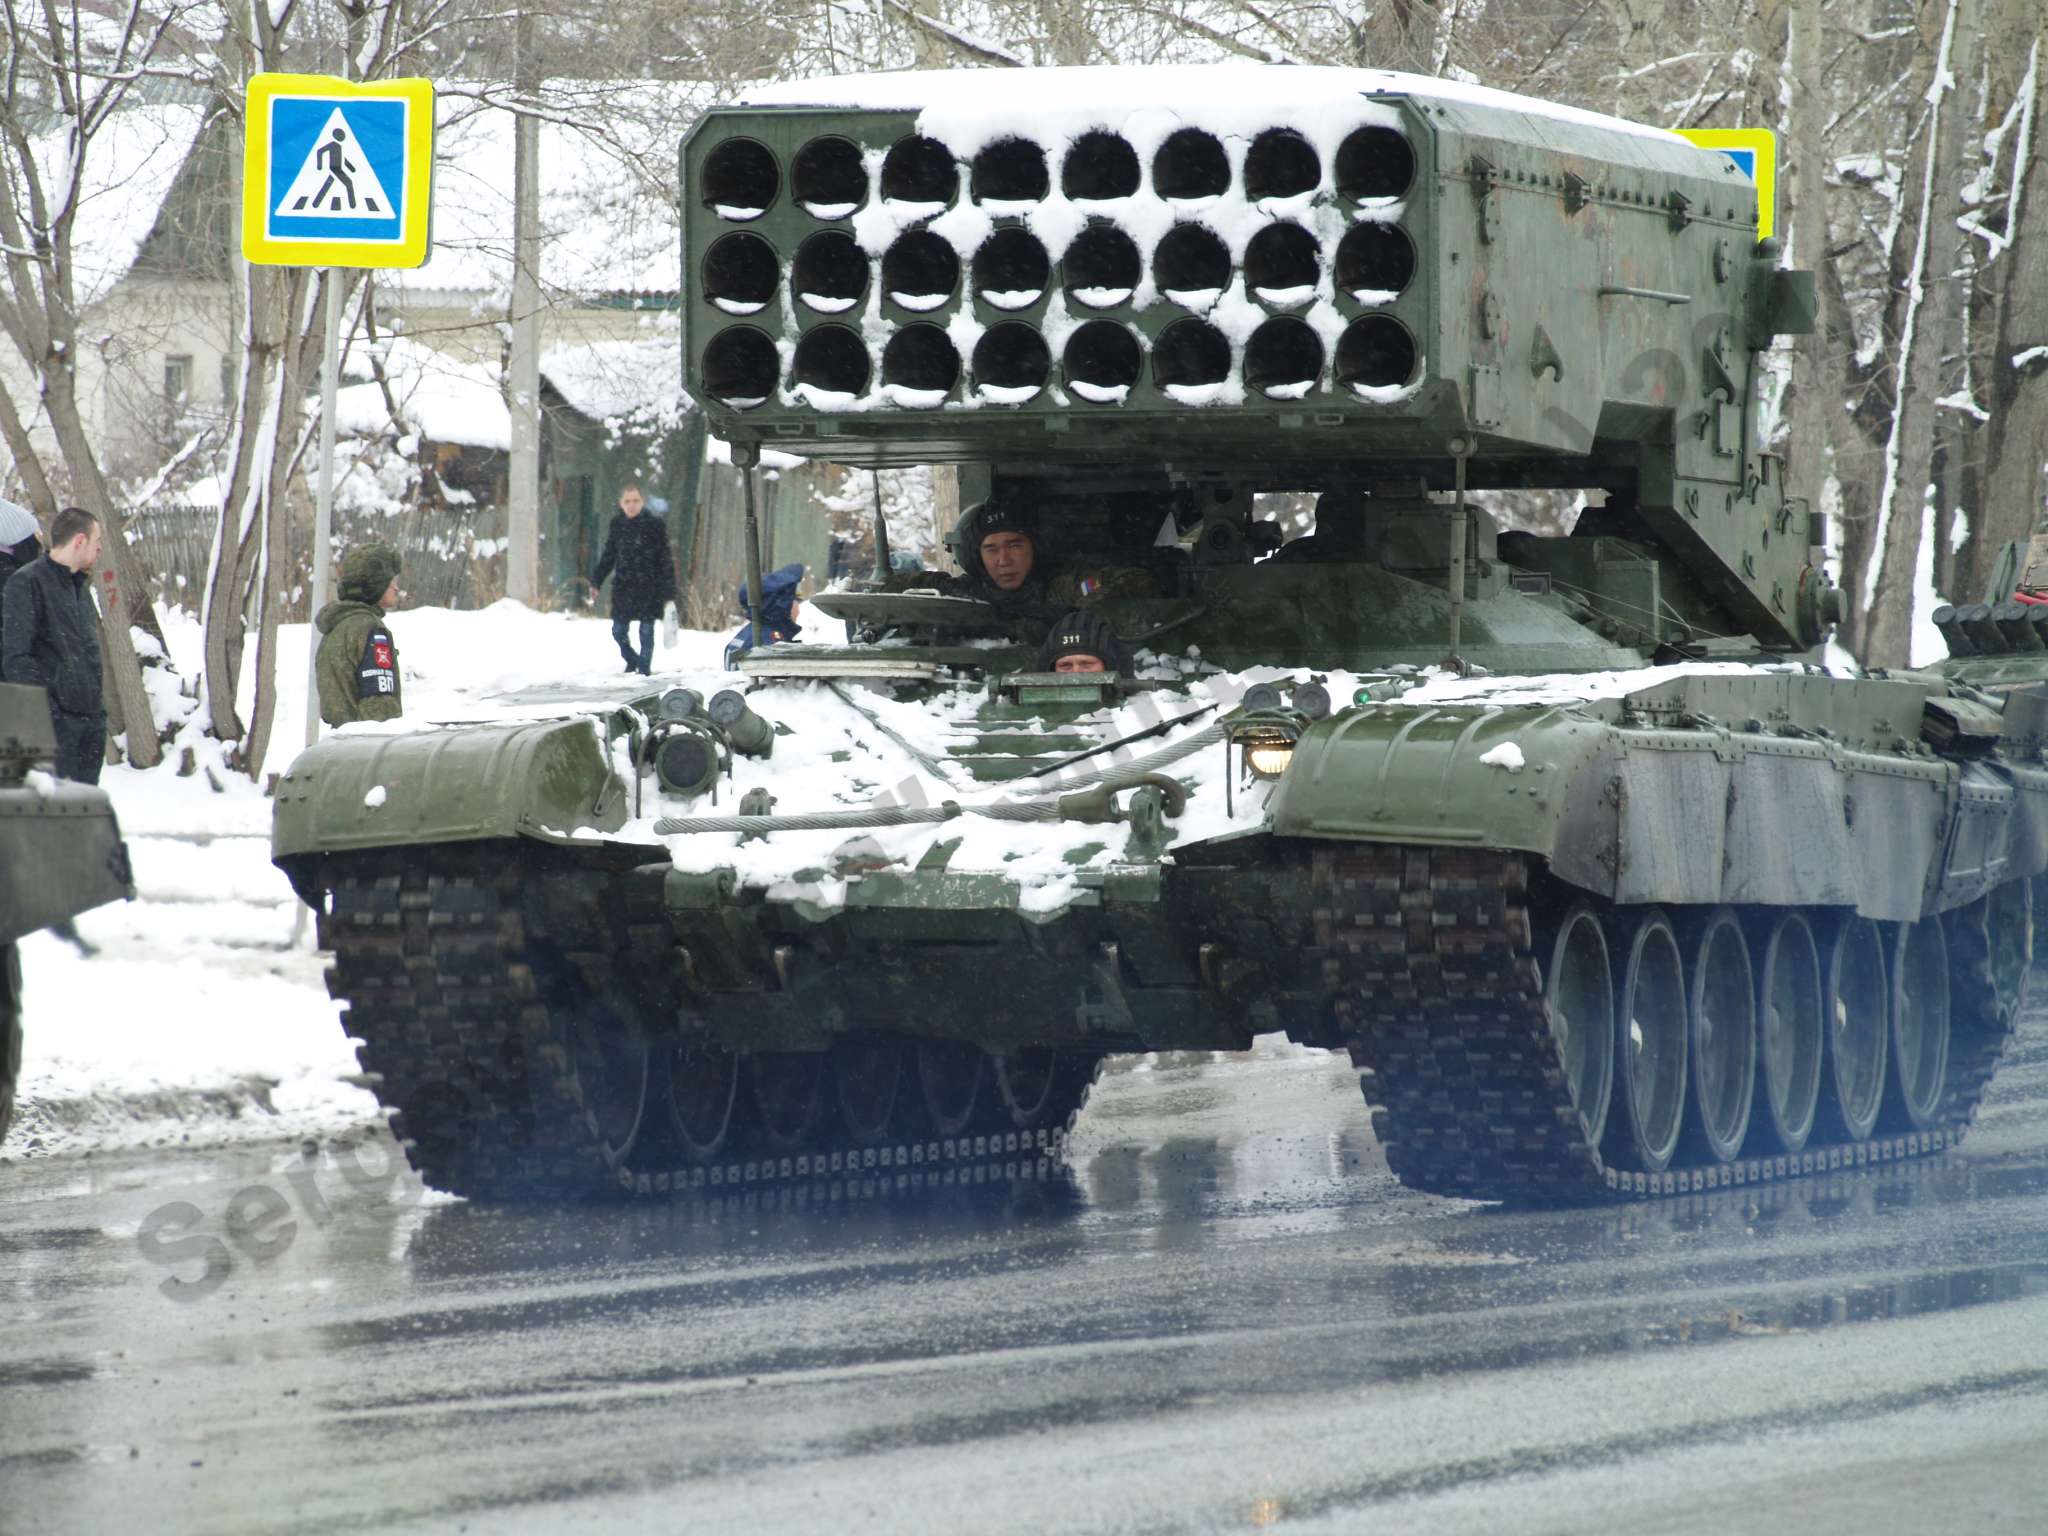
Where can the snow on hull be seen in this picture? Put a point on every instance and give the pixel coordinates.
(836, 759)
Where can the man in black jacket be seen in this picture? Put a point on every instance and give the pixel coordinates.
(50, 639)
(643, 577)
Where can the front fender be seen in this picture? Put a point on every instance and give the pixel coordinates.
(1416, 775)
(542, 779)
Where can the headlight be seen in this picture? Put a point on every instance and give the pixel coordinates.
(1268, 759)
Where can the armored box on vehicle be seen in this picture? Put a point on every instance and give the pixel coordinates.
(60, 854)
(1606, 888)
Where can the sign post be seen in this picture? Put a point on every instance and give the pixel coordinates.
(323, 506)
(335, 174)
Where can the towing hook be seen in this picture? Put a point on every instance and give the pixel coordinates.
(1172, 792)
(1155, 796)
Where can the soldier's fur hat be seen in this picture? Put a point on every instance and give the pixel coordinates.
(367, 571)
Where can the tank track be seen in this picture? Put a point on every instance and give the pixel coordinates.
(1430, 955)
(462, 1030)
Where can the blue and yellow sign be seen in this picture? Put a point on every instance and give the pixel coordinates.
(336, 173)
(1755, 153)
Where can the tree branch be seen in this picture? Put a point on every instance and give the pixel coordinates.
(973, 47)
(1208, 33)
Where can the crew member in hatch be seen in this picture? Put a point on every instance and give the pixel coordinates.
(1083, 642)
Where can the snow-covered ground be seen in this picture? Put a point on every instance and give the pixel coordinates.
(204, 1014)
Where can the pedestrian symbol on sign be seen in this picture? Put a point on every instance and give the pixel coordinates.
(336, 179)
(338, 172)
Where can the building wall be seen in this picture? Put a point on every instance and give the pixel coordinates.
(133, 347)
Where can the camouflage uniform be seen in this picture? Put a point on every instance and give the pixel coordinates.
(1076, 586)
(357, 665)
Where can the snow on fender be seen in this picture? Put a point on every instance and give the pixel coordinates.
(1507, 755)
(375, 797)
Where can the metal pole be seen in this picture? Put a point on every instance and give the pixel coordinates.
(881, 532)
(522, 512)
(744, 457)
(323, 513)
(1460, 448)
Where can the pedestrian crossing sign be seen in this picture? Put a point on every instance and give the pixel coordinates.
(337, 173)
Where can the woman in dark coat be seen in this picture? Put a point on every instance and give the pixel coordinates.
(636, 557)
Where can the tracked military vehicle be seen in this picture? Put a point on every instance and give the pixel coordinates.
(1605, 885)
(60, 854)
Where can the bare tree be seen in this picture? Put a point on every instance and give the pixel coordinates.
(2012, 338)
(1889, 583)
(67, 72)
(277, 309)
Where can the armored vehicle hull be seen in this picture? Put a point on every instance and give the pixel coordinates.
(60, 854)
(1650, 949)
(1606, 891)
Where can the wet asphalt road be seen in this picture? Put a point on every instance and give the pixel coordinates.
(1227, 1318)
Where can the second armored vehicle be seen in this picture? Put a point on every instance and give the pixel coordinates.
(60, 854)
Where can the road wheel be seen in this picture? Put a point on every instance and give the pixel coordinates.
(1578, 997)
(789, 1096)
(951, 1074)
(1650, 1047)
(869, 1073)
(1855, 1002)
(1721, 1047)
(704, 1099)
(1919, 1017)
(1791, 1033)
(1044, 1089)
(1991, 955)
(10, 1033)
(613, 1069)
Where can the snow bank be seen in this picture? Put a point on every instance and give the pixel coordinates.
(205, 1031)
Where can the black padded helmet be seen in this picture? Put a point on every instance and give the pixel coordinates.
(1082, 633)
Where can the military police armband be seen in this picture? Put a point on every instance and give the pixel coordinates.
(377, 672)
